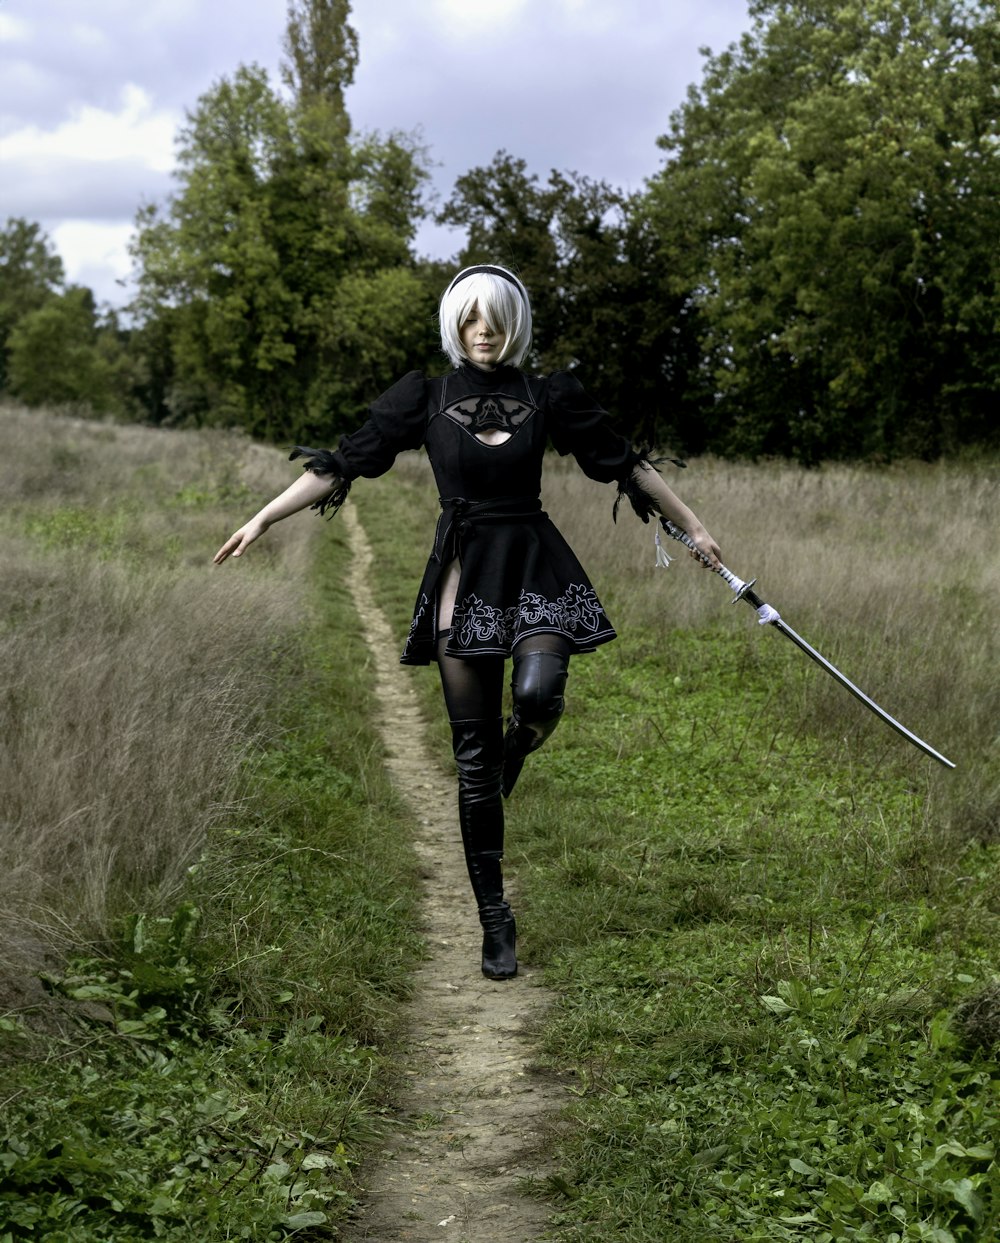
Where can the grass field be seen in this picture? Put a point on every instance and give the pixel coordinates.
(207, 892)
(771, 925)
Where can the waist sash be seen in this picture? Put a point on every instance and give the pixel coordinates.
(459, 516)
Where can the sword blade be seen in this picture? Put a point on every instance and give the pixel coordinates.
(769, 616)
(781, 625)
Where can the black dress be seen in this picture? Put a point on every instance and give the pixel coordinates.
(519, 577)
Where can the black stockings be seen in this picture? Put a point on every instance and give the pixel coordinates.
(473, 689)
(488, 763)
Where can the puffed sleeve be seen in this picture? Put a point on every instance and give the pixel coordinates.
(396, 421)
(579, 425)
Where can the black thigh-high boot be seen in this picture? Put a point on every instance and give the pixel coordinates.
(537, 684)
(478, 747)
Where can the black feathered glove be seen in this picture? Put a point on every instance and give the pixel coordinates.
(638, 498)
(323, 462)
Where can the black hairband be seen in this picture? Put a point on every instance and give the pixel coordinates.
(486, 267)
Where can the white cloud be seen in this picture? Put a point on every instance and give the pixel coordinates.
(95, 255)
(12, 29)
(135, 131)
(92, 95)
(88, 37)
(461, 20)
(50, 190)
(82, 242)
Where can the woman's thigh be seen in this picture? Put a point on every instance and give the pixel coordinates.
(447, 591)
(473, 687)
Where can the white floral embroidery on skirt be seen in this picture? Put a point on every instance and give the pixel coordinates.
(577, 613)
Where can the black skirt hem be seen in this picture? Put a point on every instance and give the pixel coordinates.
(423, 654)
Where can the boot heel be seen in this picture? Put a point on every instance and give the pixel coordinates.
(499, 941)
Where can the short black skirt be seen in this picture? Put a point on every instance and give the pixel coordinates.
(518, 578)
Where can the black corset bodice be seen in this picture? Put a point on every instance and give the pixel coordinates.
(464, 407)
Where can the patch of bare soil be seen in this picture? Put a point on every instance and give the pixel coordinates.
(475, 1117)
(23, 957)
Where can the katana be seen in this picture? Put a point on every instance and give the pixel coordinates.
(768, 616)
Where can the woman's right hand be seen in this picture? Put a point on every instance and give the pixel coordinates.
(707, 551)
(241, 540)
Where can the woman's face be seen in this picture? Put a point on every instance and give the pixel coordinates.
(481, 344)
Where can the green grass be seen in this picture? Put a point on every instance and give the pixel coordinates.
(767, 924)
(218, 1066)
(760, 957)
(232, 1060)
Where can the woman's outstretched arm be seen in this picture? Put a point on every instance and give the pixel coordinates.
(670, 506)
(304, 492)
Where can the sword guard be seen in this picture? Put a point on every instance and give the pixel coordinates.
(742, 591)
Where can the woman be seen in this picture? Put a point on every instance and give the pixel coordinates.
(501, 581)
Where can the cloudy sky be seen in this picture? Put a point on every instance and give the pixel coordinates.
(92, 93)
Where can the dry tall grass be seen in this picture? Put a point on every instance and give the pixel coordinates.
(893, 573)
(136, 676)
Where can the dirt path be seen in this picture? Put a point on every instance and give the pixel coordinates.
(474, 1117)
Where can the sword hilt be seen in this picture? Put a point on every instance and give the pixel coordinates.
(741, 590)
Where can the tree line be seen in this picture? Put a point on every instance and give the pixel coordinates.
(812, 271)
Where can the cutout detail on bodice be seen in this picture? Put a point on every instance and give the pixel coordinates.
(490, 413)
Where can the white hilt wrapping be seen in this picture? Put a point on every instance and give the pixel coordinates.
(766, 615)
(678, 533)
(737, 585)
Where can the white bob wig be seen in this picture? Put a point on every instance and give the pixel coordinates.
(502, 301)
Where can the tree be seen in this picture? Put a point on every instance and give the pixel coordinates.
(509, 219)
(257, 270)
(599, 287)
(214, 255)
(60, 353)
(30, 274)
(830, 206)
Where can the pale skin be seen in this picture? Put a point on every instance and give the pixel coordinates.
(483, 347)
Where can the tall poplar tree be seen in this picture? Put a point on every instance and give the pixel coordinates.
(276, 258)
